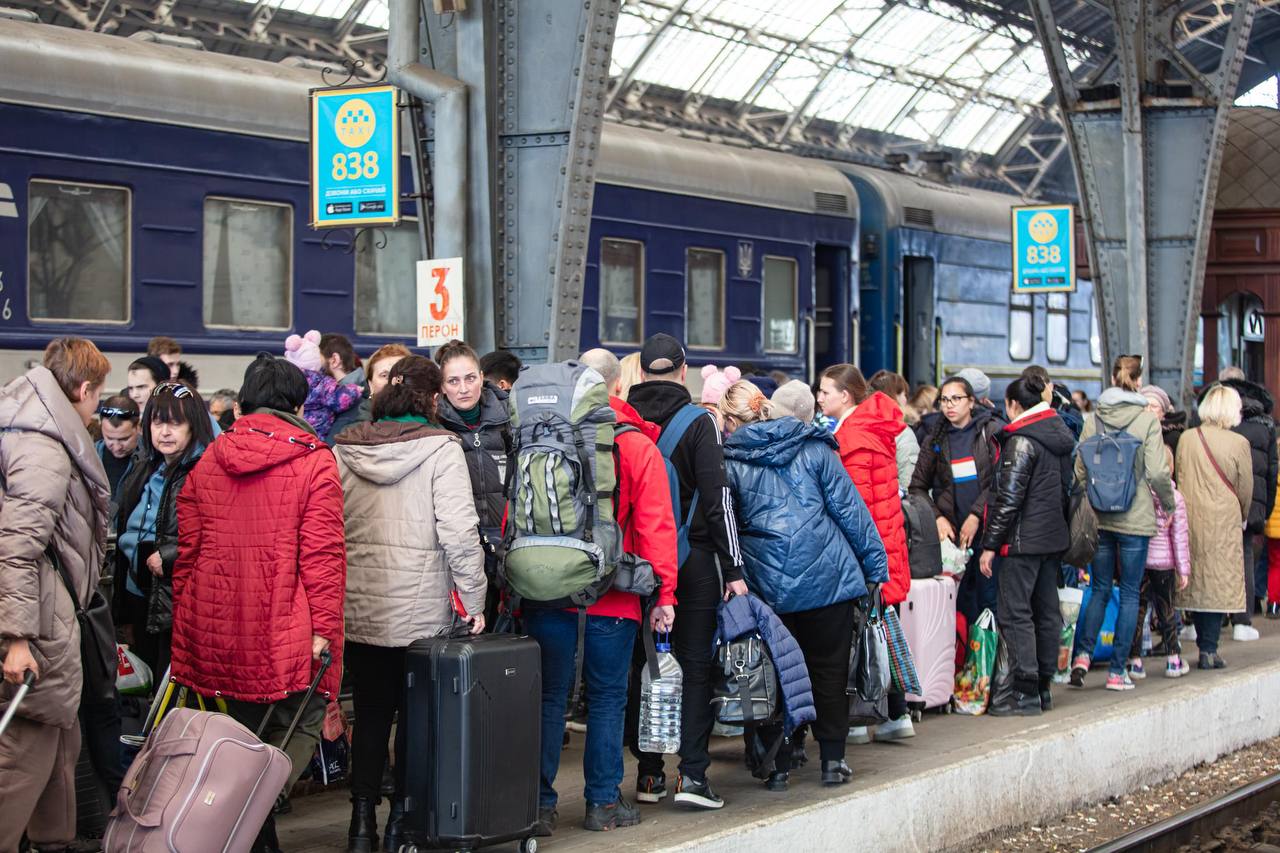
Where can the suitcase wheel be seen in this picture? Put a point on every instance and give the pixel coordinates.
(529, 845)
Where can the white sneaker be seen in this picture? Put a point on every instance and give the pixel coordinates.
(1187, 634)
(899, 729)
(1244, 633)
(858, 734)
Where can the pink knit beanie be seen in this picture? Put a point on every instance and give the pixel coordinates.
(304, 352)
(716, 382)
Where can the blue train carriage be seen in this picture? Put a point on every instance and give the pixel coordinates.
(935, 285)
(156, 190)
(747, 256)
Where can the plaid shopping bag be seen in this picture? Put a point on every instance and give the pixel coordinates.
(902, 669)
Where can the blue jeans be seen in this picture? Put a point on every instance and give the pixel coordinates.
(606, 663)
(1131, 554)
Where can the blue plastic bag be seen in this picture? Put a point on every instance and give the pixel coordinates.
(1102, 649)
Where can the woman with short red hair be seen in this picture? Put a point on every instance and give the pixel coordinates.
(53, 521)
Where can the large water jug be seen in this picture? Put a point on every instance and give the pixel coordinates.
(660, 700)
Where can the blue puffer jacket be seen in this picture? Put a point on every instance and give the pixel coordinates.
(807, 538)
(746, 614)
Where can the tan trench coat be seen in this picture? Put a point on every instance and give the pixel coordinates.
(55, 492)
(1215, 513)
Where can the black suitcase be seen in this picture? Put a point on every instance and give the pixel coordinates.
(473, 741)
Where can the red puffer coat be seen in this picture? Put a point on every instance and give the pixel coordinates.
(868, 449)
(261, 565)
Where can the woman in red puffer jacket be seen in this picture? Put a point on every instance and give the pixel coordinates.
(261, 571)
(867, 427)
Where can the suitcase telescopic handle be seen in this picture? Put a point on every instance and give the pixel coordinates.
(325, 659)
(28, 679)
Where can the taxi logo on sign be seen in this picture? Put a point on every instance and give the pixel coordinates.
(355, 123)
(1042, 227)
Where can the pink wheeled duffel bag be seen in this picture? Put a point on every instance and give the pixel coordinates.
(203, 783)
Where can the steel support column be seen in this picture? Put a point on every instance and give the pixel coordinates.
(554, 60)
(1147, 144)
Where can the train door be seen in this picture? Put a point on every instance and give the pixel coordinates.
(833, 332)
(919, 359)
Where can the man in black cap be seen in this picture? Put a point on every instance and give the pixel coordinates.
(712, 537)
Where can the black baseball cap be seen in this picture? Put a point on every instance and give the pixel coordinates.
(660, 354)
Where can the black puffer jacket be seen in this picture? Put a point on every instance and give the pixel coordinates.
(1026, 509)
(488, 449)
(1258, 427)
(932, 478)
(159, 591)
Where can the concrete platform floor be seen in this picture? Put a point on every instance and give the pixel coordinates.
(958, 778)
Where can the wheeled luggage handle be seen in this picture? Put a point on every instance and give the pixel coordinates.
(325, 659)
(27, 680)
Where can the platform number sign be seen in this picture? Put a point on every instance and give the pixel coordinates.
(1044, 256)
(440, 301)
(355, 157)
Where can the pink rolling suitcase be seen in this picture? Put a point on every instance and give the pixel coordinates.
(928, 618)
(202, 782)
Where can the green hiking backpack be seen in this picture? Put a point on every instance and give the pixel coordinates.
(562, 543)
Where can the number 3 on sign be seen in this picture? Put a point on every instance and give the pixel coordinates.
(440, 301)
(440, 310)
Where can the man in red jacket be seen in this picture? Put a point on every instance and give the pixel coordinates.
(648, 531)
(261, 570)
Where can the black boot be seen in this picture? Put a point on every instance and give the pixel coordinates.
(835, 772)
(1019, 704)
(362, 836)
(393, 832)
(266, 842)
(1046, 698)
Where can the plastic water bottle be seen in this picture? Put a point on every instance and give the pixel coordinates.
(660, 700)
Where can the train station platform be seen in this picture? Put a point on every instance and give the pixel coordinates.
(958, 779)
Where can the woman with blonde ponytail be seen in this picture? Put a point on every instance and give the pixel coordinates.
(810, 551)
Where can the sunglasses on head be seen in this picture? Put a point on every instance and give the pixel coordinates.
(113, 412)
(177, 389)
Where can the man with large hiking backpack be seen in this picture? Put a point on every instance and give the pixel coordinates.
(710, 560)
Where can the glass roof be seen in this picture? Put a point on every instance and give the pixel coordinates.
(929, 72)
(374, 14)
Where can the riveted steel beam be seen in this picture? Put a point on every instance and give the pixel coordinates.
(1147, 153)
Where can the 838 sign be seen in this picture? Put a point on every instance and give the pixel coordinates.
(355, 156)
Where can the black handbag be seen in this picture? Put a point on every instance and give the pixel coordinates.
(869, 675)
(97, 638)
(746, 691)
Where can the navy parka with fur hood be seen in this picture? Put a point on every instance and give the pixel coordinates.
(808, 540)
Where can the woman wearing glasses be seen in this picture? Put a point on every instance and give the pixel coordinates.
(175, 431)
(954, 474)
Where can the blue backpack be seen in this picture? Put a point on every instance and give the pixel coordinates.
(1110, 464)
(667, 444)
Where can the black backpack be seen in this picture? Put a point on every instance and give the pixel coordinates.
(924, 549)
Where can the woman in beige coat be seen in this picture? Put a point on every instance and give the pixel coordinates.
(1215, 475)
(411, 541)
(55, 499)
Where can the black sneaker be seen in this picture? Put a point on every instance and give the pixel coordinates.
(695, 794)
(1211, 661)
(777, 781)
(1017, 705)
(1273, 611)
(651, 789)
(836, 772)
(609, 816)
(546, 822)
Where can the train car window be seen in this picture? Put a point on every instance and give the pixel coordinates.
(248, 264)
(1021, 326)
(1057, 327)
(1095, 337)
(621, 291)
(780, 304)
(704, 298)
(386, 275)
(77, 252)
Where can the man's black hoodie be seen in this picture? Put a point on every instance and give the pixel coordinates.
(699, 463)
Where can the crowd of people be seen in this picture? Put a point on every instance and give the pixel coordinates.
(354, 506)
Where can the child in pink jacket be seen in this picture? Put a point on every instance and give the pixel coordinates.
(1168, 563)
